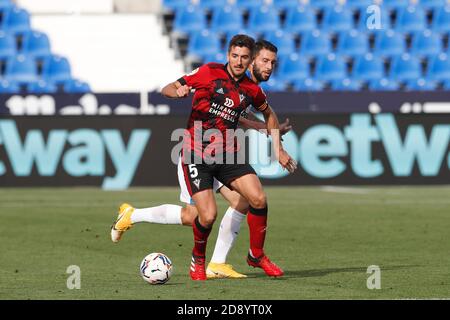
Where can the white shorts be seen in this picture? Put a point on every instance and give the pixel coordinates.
(184, 193)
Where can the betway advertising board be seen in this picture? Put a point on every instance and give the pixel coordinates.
(115, 153)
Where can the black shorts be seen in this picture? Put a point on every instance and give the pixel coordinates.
(200, 177)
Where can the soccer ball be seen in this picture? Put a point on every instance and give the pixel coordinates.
(156, 268)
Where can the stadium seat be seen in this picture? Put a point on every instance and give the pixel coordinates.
(203, 43)
(389, 43)
(273, 85)
(368, 21)
(284, 42)
(358, 4)
(330, 68)
(213, 4)
(189, 20)
(446, 85)
(250, 4)
(439, 68)
(420, 84)
(323, 4)
(383, 84)
(36, 44)
(432, 4)
(285, 4)
(7, 46)
(426, 43)
(22, 69)
(16, 20)
(293, 67)
(410, 19)
(352, 43)
(226, 19)
(56, 69)
(76, 86)
(395, 4)
(441, 19)
(337, 19)
(219, 57)
(368, 67)
(41, 86)
(263, 19)
(308, 85)
(9, 86)
(300, 19)
(315, 43)
(405, 68)
(175, 5)
(231, 34)
(346, 84)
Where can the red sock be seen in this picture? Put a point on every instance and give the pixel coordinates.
(200, 238)
(257, 224)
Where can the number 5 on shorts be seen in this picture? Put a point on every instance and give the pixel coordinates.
(193, 171)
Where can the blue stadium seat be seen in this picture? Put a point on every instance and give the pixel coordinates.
(358, 4)
(22, 69)
(405, 68)
(395, 4)
(36, 44)
(41, 86)
(273, 85)
(420, 84)
(230, 35)
(346, 84)
(9, 87)
(383, 84)
(337, 19)
(308, 85)
(56, 69)
(432, 4)
(285, 4)
(446, 85)
(352, 43)
(227, 19)
(389, 43)
(439, 68)
(189, 20)
(410, 19)
(441, 19)
(315, 43)
(300, 19)
(368, 67)
(7, 46)
(284, 42)
(250, 4)
(76, 86)
(175, 5)
(16, 20)
(203, 43)
(368, 20)
(323, 4)
(219, 57)
(293, 67)
(263, 19)
(426, 43)
(330, 68)
(213, 4)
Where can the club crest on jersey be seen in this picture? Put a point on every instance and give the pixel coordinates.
(197, 183)
(220, 91)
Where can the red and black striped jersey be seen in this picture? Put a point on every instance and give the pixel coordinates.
(218, 102)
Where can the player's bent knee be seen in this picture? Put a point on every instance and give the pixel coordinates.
(258, 201)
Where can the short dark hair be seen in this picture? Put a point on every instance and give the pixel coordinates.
(264, 44)
(242, 40)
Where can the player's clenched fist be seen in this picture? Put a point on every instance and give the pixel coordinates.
(183, 91)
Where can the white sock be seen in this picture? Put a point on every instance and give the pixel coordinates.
(165, 214)
(228, 232)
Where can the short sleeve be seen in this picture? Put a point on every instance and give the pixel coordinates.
(260, 100)
(197, 78)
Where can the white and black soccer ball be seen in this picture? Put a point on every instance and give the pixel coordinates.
(156, 268)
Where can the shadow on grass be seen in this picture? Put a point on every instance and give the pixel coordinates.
(327, 271)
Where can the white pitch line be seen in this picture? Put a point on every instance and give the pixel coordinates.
(345, 190)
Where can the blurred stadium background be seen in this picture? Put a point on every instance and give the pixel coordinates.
(365, 84)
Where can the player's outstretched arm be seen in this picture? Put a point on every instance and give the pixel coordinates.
(175, 90)
(273, 126)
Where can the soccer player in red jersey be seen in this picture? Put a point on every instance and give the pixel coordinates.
(222, 93)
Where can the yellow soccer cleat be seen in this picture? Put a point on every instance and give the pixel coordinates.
(123, 222)
(222, 270)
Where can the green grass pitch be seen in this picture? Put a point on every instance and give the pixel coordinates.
(324, 238)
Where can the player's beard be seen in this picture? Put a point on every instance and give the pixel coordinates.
(258, 74)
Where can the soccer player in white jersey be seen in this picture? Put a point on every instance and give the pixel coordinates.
(263, 64)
